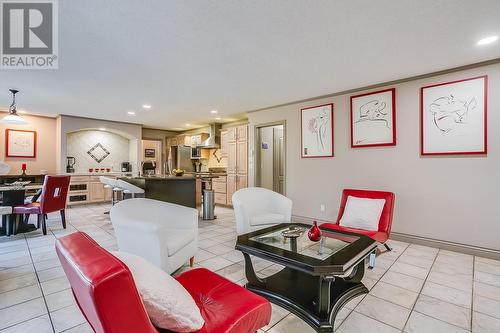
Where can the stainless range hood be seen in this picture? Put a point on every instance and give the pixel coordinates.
(213, 140)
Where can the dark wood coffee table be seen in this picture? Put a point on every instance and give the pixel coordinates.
(318, 278)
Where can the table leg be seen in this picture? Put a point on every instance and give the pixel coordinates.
(250, 272)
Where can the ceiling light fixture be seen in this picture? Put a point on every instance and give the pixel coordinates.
(132, 113)
(13, 117)
(213, 111)
(146, 106)
(102, 129)
(188, 124)
(217, 118)
(487, 40)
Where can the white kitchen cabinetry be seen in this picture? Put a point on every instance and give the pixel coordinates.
(237, 160)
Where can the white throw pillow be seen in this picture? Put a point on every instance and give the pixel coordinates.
(167, 303)
(362, 213)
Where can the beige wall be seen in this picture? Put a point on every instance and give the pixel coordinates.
(446, 198)
(45, 149)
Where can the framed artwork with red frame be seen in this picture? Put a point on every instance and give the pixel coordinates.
(316, 131)
(20, 143)
(453, 117)
(373, 119)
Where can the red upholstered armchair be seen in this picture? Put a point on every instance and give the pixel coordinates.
(385, 222)
(106, 294)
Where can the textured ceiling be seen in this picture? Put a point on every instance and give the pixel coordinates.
(186, 58)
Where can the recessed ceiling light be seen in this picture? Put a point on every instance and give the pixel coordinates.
(131, 113)
(217, 118)
(487, 40)
(102, 128)
(188, 124)
(146, 106)
(213, 111)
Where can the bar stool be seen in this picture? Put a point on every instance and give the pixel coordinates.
(129, 188)
(111, 183)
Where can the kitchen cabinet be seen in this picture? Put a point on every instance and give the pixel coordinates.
(96, 192)
(241, 157)
(242, 133)
(237, 160)
(196, 140)
(224, 135)
(87, 189)
(220, 189)
(232, 133)
(231, 157)
(230, 188)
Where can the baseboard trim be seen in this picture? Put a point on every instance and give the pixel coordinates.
(426, 241)
(446, 245)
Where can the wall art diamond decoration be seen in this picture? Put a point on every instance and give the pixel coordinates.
(98, 153)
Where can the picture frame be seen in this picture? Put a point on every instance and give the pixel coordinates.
(317, 131)
(20, 143)
(150, 153)
(373, 119)
(453, 117)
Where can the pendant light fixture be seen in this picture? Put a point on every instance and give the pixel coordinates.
(13, 117)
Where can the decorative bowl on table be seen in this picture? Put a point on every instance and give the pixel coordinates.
(178, 172)
(292, 232)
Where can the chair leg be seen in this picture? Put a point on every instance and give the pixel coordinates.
(387, 247)
(26, 218)
(371, 262)
(63, 218)
(41, 218)
(38, 221)
(191, 262)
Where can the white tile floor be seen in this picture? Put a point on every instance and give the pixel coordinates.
(412, 289)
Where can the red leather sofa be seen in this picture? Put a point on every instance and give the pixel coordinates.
(385, 222)
(106, 294)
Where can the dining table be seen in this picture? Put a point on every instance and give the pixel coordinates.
(11, 196)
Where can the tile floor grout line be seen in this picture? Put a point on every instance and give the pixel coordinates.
(22, 322)
(378, 280)
(422, 288)
(41, 289)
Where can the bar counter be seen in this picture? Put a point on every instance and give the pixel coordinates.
(180, 190)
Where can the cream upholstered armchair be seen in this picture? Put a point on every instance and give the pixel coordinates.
(163, 233)
(257, 208)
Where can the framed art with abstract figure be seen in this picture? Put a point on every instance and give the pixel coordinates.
(20, 143)
(373, 119)
(317, 131)
(453, 117)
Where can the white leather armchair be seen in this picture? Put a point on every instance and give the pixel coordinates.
(257, 208)
(163, 233)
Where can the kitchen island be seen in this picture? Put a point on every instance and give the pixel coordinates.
(179, 190)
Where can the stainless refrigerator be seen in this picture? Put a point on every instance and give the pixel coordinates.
(179, 157)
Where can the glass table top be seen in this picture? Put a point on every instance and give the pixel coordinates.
(331, 242)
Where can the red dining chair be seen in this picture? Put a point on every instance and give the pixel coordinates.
(385, 222)
(105, 291)
(52, 199)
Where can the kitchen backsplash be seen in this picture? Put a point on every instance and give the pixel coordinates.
(97, 149)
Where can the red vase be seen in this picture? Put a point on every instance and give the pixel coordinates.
(314, 233)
